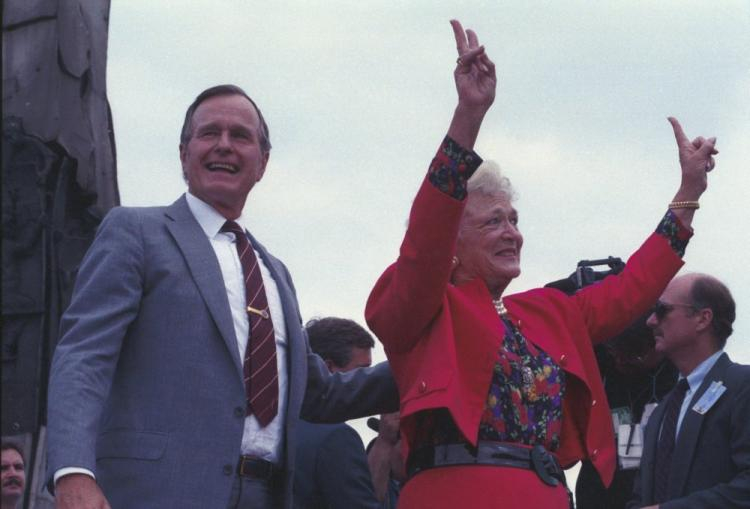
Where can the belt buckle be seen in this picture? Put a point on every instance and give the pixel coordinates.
(543, 462)
(251, 467)
(243, 460)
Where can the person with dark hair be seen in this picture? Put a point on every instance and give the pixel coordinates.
(12, 476)
(332, 470)
(499, 392)
(696, 450)
(342, 343)
(182, 367)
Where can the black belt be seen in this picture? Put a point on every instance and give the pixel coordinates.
(256, 468)
(501, 454)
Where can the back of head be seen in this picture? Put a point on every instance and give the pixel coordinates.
(334, 338)
(709, 292)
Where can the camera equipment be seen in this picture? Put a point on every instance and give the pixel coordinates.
(585, 275)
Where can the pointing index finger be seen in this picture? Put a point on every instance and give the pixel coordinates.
(679, 134)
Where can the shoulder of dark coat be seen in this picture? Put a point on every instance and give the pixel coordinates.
(738, 375)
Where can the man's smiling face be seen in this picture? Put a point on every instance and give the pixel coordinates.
(223, 159)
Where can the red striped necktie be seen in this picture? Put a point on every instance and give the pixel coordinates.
(259, 364)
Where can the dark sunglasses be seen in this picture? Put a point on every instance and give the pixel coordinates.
(662, 309)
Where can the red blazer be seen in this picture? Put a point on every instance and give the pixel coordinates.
(442, 340)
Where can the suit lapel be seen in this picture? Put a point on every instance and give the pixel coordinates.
(204, 267)
(648, 461)
(687, 441)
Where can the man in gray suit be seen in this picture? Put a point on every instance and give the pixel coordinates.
(151, 398)
(696, 452)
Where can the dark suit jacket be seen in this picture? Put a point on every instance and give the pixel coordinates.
(711, 462)
(331, 470)
(146, 381)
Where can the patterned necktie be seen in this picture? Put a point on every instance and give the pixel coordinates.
(665, 447)
(259, 364)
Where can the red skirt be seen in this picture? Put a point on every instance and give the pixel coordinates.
(480, 487)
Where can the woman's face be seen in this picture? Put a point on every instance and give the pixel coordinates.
(489, 242)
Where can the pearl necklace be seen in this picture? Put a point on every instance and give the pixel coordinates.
(500, 307)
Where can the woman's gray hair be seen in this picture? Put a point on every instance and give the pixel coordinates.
(489, 180)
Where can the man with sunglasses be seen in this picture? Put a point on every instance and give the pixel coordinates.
(697, 442)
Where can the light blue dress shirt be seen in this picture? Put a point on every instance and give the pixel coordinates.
(695, 379)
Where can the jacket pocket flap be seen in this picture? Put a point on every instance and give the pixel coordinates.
(424, 386)
(148, 445)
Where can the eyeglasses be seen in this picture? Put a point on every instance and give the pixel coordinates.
(662, 309)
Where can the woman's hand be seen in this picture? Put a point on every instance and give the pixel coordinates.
(696, 160)
(475, 72)
(475, 83)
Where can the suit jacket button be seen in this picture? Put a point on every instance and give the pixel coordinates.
(227, 469)
(422, 387)
(239, 412)
(594, 454)
(593, 403)
(563, 360)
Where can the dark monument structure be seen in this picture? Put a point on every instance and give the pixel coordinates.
(58, 180)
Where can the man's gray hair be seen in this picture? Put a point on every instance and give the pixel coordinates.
(489, 180)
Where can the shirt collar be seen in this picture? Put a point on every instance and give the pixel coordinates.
(207, 216)
(696, 377)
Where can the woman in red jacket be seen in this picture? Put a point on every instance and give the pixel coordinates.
(498, 391)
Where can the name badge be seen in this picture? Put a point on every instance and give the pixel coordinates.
(709, 397)
(629, 446)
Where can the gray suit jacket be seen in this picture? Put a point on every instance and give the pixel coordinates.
(146, 381)
(711, 461)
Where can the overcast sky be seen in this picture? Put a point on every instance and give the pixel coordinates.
(358, 95)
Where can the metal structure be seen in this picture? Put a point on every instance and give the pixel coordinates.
(58, 180)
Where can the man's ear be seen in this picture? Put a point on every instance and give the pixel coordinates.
(183, 156)
(266, 157)
(705, 319)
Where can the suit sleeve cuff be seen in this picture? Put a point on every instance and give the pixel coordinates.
(677, 234)
(452, 167)
(72, 470)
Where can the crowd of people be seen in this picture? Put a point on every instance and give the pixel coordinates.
(184, 377)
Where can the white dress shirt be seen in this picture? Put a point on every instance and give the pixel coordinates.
(265, 443)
